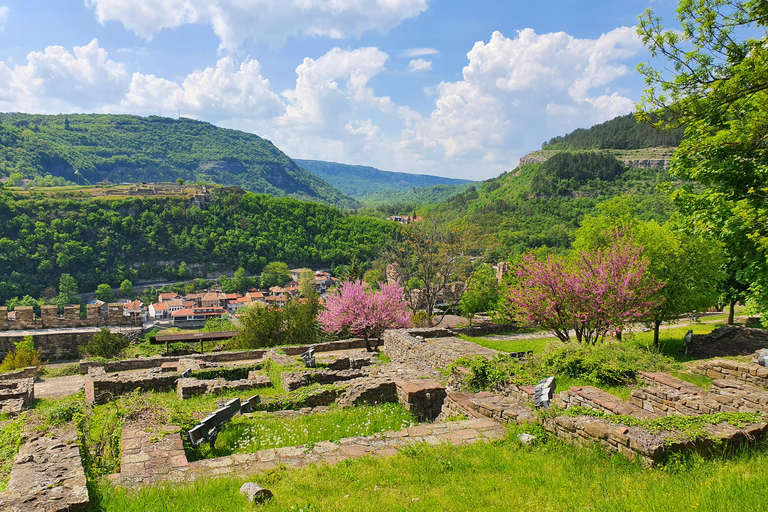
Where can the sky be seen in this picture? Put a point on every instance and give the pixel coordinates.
(454, 88)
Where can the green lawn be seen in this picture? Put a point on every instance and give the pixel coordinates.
(500, 476)
(524, 345)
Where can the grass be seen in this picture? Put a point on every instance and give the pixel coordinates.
(499, 476)
(62, 371)
(248, 434)
(694, 378)
(522, 345)
(10, 441)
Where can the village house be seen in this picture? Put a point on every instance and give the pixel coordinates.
(159, 311)
(196, 316)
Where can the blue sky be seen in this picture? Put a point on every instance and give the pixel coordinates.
(446, 87)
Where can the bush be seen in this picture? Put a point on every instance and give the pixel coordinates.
(24, 356)
(106, 344)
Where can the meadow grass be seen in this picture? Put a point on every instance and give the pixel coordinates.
(257, 431)
(498, 476)
(522, 345)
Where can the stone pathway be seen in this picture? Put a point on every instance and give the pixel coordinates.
(145, 461)
(47, 476)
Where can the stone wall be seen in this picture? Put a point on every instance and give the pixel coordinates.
(369, 391)
(423, 398)
(433, 348)
(638, 443)
(599, 400)
(101, 388)
(26, 373)
(23, 317)
(16, 395)
(187, 388)
(291, 381)
(54, 346)
(725, 368)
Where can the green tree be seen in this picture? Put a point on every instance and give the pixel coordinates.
(14, 179)
(67, 290)
(428, 256)
(275, 274)
(24, 356)
(307, 282)
(354, 270)
(481, 293)
(104, 293)
(240, 282)
(714, 81)
(126, 288)
(688, 266)
(107, 344)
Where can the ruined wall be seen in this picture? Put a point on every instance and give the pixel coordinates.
(725, 368)
(101, 388)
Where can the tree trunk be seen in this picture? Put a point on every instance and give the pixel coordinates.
(656, 325)
(731, 308)
(367, 344)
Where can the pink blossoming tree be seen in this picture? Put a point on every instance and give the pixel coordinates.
(592, 295)
(365, 314)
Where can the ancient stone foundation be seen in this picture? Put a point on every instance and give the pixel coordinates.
(16, 395)
(726, 368)
(47, 476)
(101, 388)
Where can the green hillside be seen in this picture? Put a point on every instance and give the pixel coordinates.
(414, 196)
(359, 181)
(542, 203)
(125, 148)
(105, 240)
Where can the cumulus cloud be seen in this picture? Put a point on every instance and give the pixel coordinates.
(235, 21)
(86, 79)
(419, 65)
(516, 93)
(418, 52)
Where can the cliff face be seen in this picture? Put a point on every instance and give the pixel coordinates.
(634, 161)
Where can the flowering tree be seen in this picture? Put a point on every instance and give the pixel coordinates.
(365, 314)
(595, 293)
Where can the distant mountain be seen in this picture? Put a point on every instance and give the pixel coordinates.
(134, 149)
(359, 181)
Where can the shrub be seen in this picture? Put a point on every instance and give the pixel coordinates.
(23, 356)
(106, 344)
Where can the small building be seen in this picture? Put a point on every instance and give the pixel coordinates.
(159, 311)
(196, 317)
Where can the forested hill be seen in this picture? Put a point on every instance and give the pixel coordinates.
(106, 240)
(540, 205)
(359, 181)
(623, 132)
(130, 148)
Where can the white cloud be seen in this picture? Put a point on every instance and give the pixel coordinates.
(418, 52)
(516, 93)
(419, 65)
(236, 21)
(3, 16)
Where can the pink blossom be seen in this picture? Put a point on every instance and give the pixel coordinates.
(365, 314)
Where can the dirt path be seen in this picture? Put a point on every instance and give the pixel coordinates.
(58, 387)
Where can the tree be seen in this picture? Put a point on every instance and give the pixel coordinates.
(275, 274)
(240, 282)
(717, 87)
(180, 181)
(354, 270)
(428, 256)
(481, 293)
(592, 294)
(688, 267)
(365, 314)
(106, 343)
(307, 282)
(271, 326)
(25, 355)
(67, 290)
(104, 293)
(126, 288)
